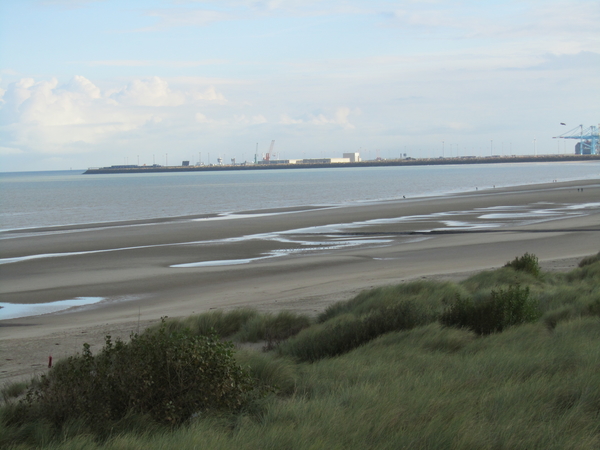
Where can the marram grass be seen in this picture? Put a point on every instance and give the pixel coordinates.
(533, 386)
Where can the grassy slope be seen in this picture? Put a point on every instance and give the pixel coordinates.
(532, 386)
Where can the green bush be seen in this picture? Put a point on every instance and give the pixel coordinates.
(166, 376)
(347, 332)
(503, 308)
(527, 263)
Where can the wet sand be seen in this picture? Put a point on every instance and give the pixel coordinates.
(298, 259)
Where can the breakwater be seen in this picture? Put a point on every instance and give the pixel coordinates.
(382, 163)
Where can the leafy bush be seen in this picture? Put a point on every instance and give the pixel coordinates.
(526, 263)
(503, 308)
(345, 333)
(166, 376)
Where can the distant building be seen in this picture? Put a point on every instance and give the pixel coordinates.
(279, 161)
(326, 161)
(185, 163)
(352, 157)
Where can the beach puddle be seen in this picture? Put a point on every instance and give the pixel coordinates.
(224, 262)
(18, 310)
(308, 247)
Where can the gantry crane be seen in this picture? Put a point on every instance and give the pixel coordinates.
(268, 156)
(589, 139)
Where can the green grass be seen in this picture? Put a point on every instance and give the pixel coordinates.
(424, 386)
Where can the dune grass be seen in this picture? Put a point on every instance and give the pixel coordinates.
(415, 384)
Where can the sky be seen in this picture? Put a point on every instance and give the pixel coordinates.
(88, 83)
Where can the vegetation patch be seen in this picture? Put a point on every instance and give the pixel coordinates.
(527, 263)
(167, 377)
(502, 309)
(504, 359)
(589, 260)
(345, 333)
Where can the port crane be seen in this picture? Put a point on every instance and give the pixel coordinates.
(270, 153)
(589, 139)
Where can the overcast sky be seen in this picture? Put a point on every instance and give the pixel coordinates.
(96, 83)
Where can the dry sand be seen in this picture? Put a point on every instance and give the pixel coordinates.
(130, 265)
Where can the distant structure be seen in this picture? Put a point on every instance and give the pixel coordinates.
(347, 158)
(325, 161)
(589, 140)
(352, 157)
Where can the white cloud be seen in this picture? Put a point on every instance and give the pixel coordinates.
(287, 120)
(253, 120)
(238, 119)
(209, 94)
(201, 118)
(178, 17)
(154, 63)
(153, 91)
(46, 117)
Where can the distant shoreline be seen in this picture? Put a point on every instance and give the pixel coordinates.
(382, 163)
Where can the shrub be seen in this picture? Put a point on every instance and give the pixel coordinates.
(345, 333)
(503, 308)
(166, 376)
(526, 263)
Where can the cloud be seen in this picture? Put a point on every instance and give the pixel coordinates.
(253, 120)
(287, 120)
(238, 119)
(154, 63)
(178, 17)
(47, 117)
(339, 117)
(153, 91)
(202, 118)
(210, 95)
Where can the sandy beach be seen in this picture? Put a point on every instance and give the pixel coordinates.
(297, 259)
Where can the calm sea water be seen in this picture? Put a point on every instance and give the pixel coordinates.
(36, 199)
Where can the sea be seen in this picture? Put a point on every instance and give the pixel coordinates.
(54, 198)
